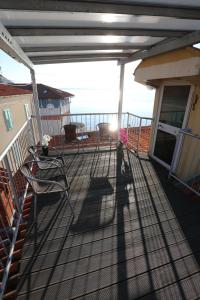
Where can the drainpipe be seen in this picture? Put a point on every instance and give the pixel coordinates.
(36, 103)
(121, 92)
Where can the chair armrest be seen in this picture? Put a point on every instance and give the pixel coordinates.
(46, 180)
(54, 149)
(51, 182)
(52, 160)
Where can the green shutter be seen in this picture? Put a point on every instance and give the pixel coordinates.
(27, 111)
(8, 119)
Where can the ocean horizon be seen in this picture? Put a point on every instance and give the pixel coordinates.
(88, 100)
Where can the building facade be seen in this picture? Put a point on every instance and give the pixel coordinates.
(54, 105)
(175, 135)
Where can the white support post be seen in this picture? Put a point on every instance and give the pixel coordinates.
(36, 104)
(121, 92)
(11, 47)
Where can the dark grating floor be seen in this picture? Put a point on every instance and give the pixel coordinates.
(135, 235)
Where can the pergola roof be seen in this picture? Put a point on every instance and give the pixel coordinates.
(73, 31)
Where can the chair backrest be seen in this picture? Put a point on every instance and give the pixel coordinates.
(32, 151)
(25, 169)
(36, 158)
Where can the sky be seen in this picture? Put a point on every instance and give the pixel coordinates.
(94, 84)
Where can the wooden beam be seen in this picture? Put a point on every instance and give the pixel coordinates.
(87, 47)
(21, 31)
(80, 56)
(64, 61)
(133, 8)
(11, 47)
(186, 40)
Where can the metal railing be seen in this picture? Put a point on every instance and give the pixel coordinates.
(13, 190)
(87, 129)
(139, 132)
(185, 166)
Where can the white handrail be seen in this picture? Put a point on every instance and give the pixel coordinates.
(13, 140)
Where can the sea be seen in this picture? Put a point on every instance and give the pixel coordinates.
(106, 100)
(87, 100)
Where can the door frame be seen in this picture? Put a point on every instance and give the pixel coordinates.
(176, 154)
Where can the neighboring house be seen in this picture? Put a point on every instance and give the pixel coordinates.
(176, 76)
(54, 107)
(15, 108)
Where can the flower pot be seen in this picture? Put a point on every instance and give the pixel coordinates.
(45, 150)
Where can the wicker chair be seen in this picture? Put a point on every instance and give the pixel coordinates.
(104, 133)
(43, 186)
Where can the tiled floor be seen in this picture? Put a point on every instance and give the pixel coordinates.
(134, 235)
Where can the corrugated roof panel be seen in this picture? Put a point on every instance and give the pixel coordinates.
(49, 53)
(139, 24)
(93, 20)
(27, 41)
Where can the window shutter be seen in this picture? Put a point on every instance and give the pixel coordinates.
(27, 111)
(8, 119)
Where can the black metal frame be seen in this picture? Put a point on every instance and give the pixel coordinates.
(33, 178)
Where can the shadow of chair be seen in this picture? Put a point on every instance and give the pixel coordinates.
(90, 217)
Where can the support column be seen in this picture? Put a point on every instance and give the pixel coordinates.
(121, 92)
(36, 103)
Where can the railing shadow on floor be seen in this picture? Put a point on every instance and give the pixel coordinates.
(186, 207)
(130, 171)
(38, 244)
(122, 179)
(90, 216)
(171, 199)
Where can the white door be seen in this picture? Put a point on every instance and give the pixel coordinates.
(173, 115)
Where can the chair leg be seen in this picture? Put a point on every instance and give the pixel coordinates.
(67, 198)
(68, 186)
(35, 208)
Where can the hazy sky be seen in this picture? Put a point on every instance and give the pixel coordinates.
(102, 76)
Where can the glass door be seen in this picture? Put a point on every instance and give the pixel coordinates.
(174, 104)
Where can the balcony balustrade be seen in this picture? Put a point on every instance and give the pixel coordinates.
(116, 195)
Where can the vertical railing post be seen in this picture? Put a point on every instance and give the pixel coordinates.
(12, 184)
(32, 131)
(139, 135)
(172, 169)
(127, 127)
(121, 92)
(36, 104)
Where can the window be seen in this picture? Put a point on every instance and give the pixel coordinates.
(8, 119)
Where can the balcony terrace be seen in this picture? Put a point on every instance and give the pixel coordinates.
(134, 235)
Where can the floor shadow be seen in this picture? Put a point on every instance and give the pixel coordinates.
(145, 171)
(123, 177)
(186, 207)
(26, 274)
(90, 215)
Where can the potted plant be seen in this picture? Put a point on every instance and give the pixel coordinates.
(45, 143)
